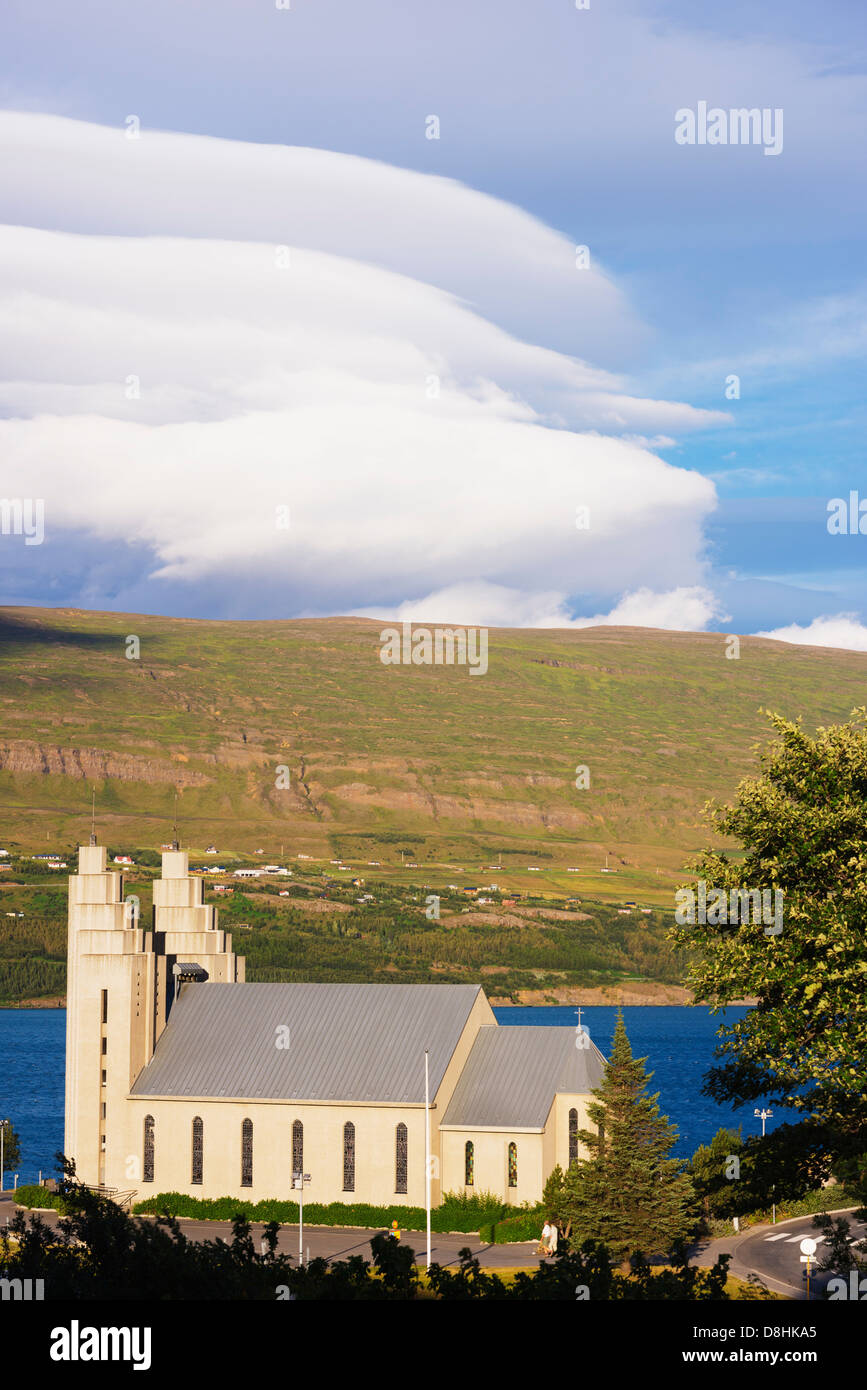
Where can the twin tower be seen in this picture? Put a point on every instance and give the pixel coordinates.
(121, 982)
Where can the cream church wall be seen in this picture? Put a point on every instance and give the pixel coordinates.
(490, 1170)
(375, 1150)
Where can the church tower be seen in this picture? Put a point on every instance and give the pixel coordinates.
(121, 983)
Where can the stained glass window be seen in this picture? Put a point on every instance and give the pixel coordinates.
(400, 1159)
(247, 1153)
(349, 1157)
(148, 1173)
(198, 1149)
(513, 1165)
(469, 1162)
(573, 1136)
(297, 1148)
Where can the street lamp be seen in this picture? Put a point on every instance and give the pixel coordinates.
(763, 1115)
(298, 1181)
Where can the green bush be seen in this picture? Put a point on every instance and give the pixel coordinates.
(526, 1224)
(33, 1195)
(457, 1212)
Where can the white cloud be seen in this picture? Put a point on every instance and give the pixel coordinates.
(843, 630)
(490, 605)
(421, 448)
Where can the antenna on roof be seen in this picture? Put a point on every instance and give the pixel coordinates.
(93, 817)
(175, 842)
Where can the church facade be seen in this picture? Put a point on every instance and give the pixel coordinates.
(182, 1077)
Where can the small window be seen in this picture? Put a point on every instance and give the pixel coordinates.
(573, 1135)
(247, 1153)
(104, 1005)
(400, 1159)
(513, 1165)
(148, 1167)
(103, 1109)
(198, 1149)
(469, 1162)
(104, 1046)
(349, 1157)
(104, 1081)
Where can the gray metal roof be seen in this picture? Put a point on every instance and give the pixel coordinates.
(345, 1042)
(513, 1073)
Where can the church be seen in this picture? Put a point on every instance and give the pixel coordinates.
(181, 1077)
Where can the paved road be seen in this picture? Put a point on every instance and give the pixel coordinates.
(773, 1252)
(340, 1242)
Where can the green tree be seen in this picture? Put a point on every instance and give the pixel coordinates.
(11, 1148)
(715, 1170)
(802, 827)
(629, 1193)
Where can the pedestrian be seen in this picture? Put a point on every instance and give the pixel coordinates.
(553, 1238)
(544, 1247)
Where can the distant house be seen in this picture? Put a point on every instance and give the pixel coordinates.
(248, 873)
(223, 888)
(123, 859)
(4, 854)
(212, 849)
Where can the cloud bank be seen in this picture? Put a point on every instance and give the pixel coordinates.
(292, 389)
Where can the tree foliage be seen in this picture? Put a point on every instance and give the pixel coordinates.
(802, 827)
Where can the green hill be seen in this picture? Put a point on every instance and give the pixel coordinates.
(451, 768)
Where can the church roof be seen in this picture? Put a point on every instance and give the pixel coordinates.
(313, 1042)
(513, 1073)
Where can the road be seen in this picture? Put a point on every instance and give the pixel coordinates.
(774, 1254)
(341, 1242)
(771, 1252)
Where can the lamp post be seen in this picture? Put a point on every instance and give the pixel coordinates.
(763, 1115)
(298, 1181)
(427, 1150)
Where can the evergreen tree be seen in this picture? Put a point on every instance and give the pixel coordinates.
(11, 1149)
(716, 1175)
(628, 1194)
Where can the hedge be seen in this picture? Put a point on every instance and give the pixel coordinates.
(32, 1195)
(456, 1212)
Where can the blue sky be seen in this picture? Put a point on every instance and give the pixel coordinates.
(711, 261)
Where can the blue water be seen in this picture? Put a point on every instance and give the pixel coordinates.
(678, 1043)
(32, 1061)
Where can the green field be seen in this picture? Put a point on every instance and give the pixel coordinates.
(413, 777)
(472, 767)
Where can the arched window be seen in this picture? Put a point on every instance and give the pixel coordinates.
(349, 1157)
(573, 1135)
(148, 1171)
(513, 1165)
(297, 1148)
(198, 1149)
(469, 1162)
(400, 1159)
(247, 1153)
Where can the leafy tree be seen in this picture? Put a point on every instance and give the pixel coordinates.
(802, 825)
(628, 1194)
(11, 1148)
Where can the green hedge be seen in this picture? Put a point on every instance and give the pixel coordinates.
(456, 1212)
(525, 1225)
(35, 1196)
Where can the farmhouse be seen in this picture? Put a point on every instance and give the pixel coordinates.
(182, 1077)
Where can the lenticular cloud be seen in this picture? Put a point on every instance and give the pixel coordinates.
(294, 373)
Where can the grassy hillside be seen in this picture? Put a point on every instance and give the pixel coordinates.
(453, 769)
